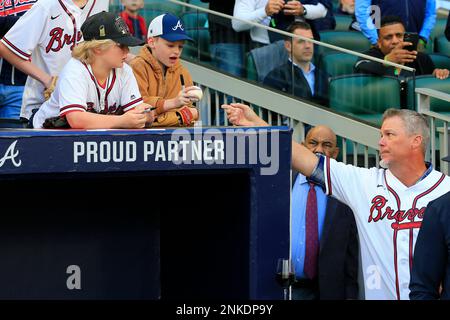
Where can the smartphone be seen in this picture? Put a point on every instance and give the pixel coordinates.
(413, 38)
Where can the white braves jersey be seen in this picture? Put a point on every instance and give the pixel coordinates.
(388, 216)
(78, 90)
(46, 35)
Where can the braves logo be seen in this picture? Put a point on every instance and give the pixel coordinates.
(114, 109)
(90, 107)
(58, 39)
(11, 154)
(179, 25)
(379, 212)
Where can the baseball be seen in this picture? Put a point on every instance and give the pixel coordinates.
(196, 92)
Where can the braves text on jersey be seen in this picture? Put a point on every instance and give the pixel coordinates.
(46, 35)
(78, 90)
(388, 215)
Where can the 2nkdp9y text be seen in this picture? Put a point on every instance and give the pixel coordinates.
(225, 310)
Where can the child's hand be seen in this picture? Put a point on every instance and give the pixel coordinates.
(183, 98)
(134, 119)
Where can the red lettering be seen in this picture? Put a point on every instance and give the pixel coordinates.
(55, 37)
(378, 212)
(58, 40)
(420, 212)
(377, 204)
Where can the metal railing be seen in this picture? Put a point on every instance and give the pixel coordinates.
(291, 35)
(424, 96)
(276, 107)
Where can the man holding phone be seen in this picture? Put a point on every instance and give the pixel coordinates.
(396, 46)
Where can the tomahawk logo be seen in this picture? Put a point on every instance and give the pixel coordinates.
(179, 25)
(11, 154)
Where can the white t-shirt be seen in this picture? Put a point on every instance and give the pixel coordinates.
(78, 90)
(46, 35)
(387, 235)
(254, 11)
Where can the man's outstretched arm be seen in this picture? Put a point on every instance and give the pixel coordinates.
(303, 160)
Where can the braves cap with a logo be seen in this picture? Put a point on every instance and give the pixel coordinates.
(168, 27)
(105, 25)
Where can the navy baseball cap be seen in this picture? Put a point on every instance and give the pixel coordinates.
(105, 25)
(168, 27)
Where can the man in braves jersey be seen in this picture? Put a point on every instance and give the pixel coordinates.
(388, 203)
(96, 89)
(41, 42)
(12, 81)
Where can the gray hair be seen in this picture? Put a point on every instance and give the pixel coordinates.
(415, 123)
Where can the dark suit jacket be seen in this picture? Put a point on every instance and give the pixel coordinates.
(339, 253)
(431, 266)
(280, 78)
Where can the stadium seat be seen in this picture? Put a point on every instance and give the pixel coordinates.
(335, 5)
(338, 64)
(438, 30)
(200, 48)
(364, 96)
(195, 20)
(150, 14)
(343, 21)
(431, 82)
(252, 74)
(164, 6)
(440, 61)
(264, 59)
(198, 3)
(351, 40)
(442, 45)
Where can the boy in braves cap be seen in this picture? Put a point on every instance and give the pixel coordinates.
(163, 82)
